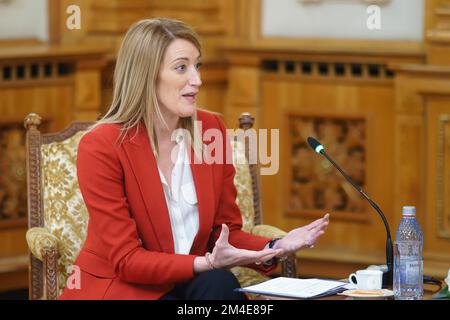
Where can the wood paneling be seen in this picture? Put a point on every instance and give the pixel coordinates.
(405, 104)
(443, 171)
(315, 99)
(105, 23)
(279, 84)
(436, 213)
(213, 91)
(61, 84)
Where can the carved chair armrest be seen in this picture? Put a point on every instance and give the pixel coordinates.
(44, 246)
(40, 238)
(289, 265)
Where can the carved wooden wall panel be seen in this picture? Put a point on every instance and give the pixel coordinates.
(13, 197)
(370, 105)
(13, 206)
(314, 183)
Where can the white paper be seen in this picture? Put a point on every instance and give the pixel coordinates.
(350, 286)
(295, 288)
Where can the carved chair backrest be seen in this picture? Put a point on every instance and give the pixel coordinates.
(247, 176)
(54, 199)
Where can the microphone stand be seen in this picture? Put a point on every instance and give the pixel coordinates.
(387, 275)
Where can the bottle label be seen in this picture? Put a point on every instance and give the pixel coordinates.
(411, 272)
(409, 261)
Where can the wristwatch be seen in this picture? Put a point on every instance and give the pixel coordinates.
(272, 242)
(273, 260)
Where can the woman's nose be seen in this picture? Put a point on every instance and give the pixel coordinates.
(195, 79)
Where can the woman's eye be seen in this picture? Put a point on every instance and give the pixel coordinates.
(198, 65)
(181, 68)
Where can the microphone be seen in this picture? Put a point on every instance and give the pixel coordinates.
(387, 274)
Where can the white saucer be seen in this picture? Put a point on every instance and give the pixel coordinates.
(355, 293)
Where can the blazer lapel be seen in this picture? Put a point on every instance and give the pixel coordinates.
(143, 163)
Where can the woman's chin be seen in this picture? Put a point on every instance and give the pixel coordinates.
(188, 111)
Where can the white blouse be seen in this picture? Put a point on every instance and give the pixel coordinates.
(181, 199)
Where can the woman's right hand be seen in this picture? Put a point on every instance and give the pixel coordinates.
(224, 255)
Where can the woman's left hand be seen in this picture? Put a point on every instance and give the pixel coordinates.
(303, 237)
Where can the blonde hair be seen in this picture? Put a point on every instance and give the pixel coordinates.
(136, 73)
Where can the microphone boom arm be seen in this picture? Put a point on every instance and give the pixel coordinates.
(388, 276)
(361, 191)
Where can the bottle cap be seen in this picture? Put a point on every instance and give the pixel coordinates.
(409, 211)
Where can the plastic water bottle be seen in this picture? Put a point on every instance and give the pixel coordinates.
(408, 260)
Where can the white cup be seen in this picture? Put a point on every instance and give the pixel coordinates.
(368, 280)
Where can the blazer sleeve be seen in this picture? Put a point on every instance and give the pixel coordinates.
(229, 212)
(112, 232)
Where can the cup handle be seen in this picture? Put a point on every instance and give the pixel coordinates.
(350, 278)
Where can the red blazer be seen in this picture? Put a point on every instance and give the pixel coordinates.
(129, 251)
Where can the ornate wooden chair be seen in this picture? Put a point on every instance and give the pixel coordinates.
(249, 201)
(58, 217)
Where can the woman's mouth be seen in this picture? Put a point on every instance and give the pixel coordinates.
(190, 97)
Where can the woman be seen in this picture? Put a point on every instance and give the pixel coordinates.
(153, 216)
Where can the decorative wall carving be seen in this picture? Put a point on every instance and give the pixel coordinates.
(13, 188)
(315, 184)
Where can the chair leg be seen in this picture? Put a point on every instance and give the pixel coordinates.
(289, 267)
(51, 277)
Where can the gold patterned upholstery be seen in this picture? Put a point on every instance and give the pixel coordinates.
(65, 213)
(245, 200)
(243, 183)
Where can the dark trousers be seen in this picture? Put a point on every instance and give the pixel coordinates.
(215, 284)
